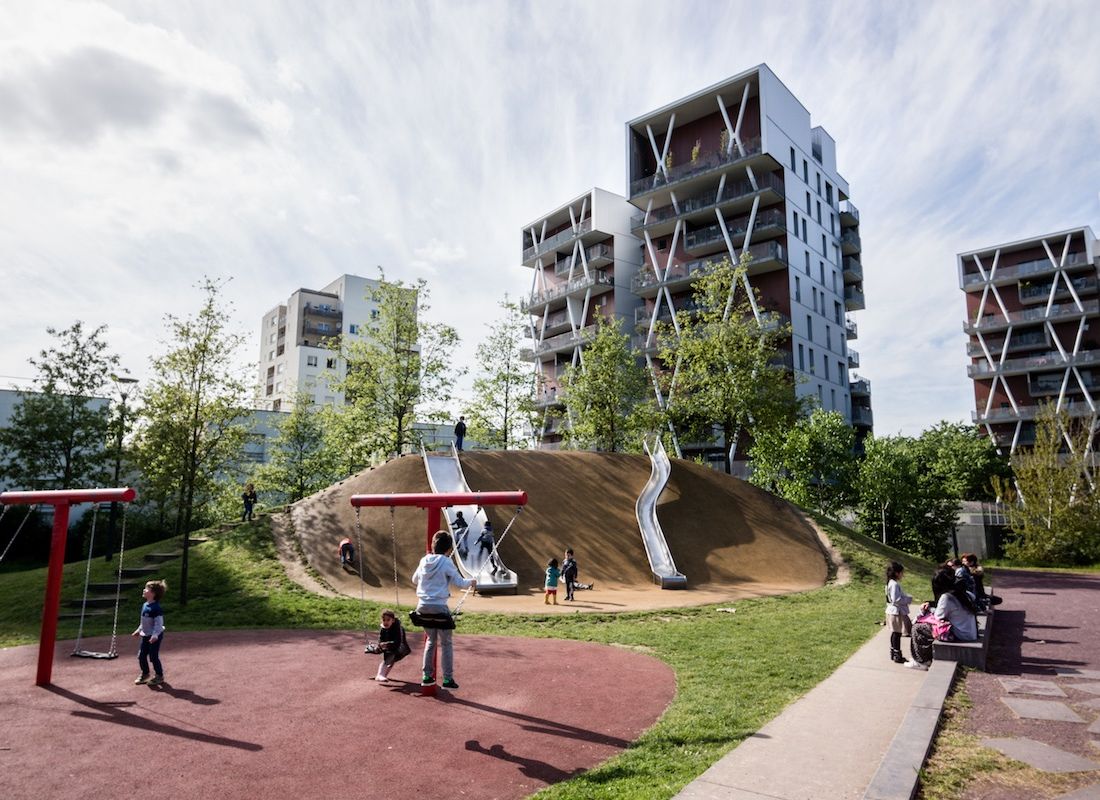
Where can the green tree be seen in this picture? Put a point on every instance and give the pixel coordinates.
(965, 460)
(1053, 507)
(606, 395)
(810, 463)
(57, 438)
(298, 463)
(192, 421)
(401, 366)
(729, 370)
(503, 406)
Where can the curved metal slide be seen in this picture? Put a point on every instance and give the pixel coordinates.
(656, 548)
(473, 561)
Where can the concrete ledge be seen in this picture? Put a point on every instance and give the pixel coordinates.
(898, 774)
(969, 654)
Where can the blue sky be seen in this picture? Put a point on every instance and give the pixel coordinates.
(143, 145)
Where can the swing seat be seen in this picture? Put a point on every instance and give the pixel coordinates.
(373, 648)
(92, 654)
(437, 621)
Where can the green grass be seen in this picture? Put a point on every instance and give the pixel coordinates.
(734, 672)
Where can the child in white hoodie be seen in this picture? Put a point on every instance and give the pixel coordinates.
(434, 576)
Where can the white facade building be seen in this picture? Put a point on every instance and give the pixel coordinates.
(294, 337)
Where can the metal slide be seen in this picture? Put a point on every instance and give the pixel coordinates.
(445, 475)
(656, 548)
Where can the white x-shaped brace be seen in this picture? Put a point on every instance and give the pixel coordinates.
(996, 364)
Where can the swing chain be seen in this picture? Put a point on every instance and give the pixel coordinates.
(362, 590)
(18, 530)
(87, 578)
(393, 542)
(113, 651)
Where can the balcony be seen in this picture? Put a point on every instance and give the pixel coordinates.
(565, 341)
(322, 311)
(557, 240)
(732, 192)
(1030, 341)
(319, 329)
(853, 269)
(555, 323)
(547, 398)
(1048, 385)
(1008, 274)
(860, 387)
(849, 214)
(1040, 361)
(706, 164)
(851, 330)
(538, 301)
(853, 359)
(1006, 414)
(765, 256)
(862, 417)
(849, 242)
(853, 298)
(992, 322)
(771, 221)
(774, 320)
(1040, 293)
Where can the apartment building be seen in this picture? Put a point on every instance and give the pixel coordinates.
(739, 168)
(294, 341)
(1030, 308)
(583, 259)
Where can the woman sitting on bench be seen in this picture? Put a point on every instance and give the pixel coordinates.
(954, 607)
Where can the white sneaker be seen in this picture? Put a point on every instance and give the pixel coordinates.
(915, 665)
(381, 678)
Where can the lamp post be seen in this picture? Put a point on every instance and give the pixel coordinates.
(123, 383)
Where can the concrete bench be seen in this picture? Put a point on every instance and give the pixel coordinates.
(968, 654)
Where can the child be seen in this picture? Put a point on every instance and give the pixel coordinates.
(151, 631)
(391, 637)
(552, 575)
(897, 610)
(461, 529)
(569, 574)
(347, 552)
(434, 576)
(248, 499)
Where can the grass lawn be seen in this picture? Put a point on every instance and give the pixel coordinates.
(734, 672)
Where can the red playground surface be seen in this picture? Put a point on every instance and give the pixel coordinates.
(293, 714)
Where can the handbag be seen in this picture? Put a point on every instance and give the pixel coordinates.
(941, 628)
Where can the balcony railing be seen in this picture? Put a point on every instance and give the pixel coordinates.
(1074, 409)
(557, 239)
(575, 285)
(990, 321)
(705, 163)
(851, 329)
(1017, 343)
(853, 298)
(688, 270)
(853, 269)
(849, 214)
(1041, 291)
(565, 340)
(326, 330)
(733, 190)
(737, 227)
(853, 359)
(859, 385)
(850, 242)
(1050, 360)
(320, 311)
(863, 417)
(1024, 268)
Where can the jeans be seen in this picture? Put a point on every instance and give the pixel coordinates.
(570, 587)
(150, 651)
(445, 639)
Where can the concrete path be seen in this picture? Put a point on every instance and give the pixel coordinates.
(827, 744)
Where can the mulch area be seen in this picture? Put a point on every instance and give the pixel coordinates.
(292, 714)
(1048, 620)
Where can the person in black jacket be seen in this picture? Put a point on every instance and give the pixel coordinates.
(569, 573)
(391, 637)
(460, 433)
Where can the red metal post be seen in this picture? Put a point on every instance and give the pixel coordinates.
(61, 500)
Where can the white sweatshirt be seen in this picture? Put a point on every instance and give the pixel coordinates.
(433, 578)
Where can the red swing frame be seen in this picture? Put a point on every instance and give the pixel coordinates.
(61, 500)
(434, 503)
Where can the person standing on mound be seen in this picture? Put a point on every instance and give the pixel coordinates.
(434, 576)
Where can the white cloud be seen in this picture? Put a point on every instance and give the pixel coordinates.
(142, 145)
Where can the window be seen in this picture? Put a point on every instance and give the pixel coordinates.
(820, 399)
(828, 193)
(274, 320)
(323, 327)
(353, 329)
(818, 212)
(801, 359)
(836, 309)
(840, 372)
(819, 184)
(793, 167)
(834, 280)
(271, 339)
(832, 224)
(807, 254)
(280, 369)
(803, 229)
(809, 208)
(821, 272)
(276, 405)
(828, 340)
(797, 289)
(810, 335)
(330, 363)
(825, 363)
(279, 386)
(836, 254)
(815, 299)
(824, 252)
(794, 214)
(811, 361)
(832, 397)
(311, 361)
(805, 172)
(270, 355)
(374, 313)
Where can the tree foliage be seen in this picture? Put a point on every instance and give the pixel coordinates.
(965, 460)
(1053, 507)
(503, 407)
(729, 370)
(191, 426)
(298, 463)
(606, 396)
(401, 366)
(810, 463)
(58, 436)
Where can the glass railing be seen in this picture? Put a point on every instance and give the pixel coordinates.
(853, 295)
(1024, 268)
(575, 285)
(322, 312)
(736, 227)
(1050, 360)
(764, 251)
(1043, 289)
(1017, 343)
(733, 190)
(848, 209)
(862, 416)
(859, 385)
(853, 358)
(570, 339)
(1077, 409)
(851, 238)
(852, 266)
(851, 329)
(1032, 314)
(705, 163)
(557, 239)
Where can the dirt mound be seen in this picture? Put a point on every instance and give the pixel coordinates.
(729, 538)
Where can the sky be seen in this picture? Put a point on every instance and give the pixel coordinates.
(276, 146)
